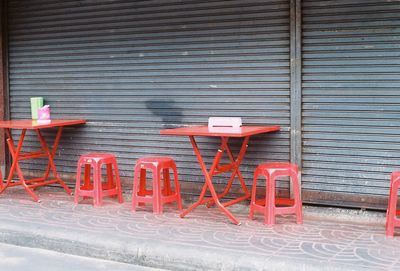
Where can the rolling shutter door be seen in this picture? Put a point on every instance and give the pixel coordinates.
(351, 100)
(132, 68)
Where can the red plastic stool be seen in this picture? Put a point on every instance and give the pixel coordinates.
(271, 171)
(391, 215)
(157, 197)
(97, 190)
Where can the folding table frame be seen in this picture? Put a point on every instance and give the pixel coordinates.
(17, 154)
(233, 167)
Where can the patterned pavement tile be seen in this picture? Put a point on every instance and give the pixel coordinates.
(266, 245)
(352, 244)
(364, 257)
(395, 266)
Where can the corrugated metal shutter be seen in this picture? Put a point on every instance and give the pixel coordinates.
(351, 88)
(132, 68)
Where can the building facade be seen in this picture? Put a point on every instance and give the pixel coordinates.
(327, 72)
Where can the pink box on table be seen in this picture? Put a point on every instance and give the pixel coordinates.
(217, 124)
(44, 114)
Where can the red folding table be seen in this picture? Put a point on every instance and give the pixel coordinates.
(17, 154)
(224, 133)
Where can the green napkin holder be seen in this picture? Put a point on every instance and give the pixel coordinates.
(36, 103)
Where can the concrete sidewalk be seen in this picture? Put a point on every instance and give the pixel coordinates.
(329, 239)
(16, 258)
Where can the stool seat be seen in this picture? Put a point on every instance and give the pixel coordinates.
(278, 167)
(155, 161)
(156, 196)
(97, 190)
(268, 206)
(395, 175)
(96, 156)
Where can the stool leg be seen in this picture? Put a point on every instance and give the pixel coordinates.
(118, 183)
(137, 174)
(177, 188)
(86, 184)
(392, 206)
(270, 201)
(157, 206)
(78, 182)
(253, 196)
(98, 195)
(297, 198)
(142, 186)
(167, 186)
(110, 179)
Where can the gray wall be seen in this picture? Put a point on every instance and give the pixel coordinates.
(351, 97)
(132, 68)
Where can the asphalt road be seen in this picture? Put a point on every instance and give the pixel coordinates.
(15, 258)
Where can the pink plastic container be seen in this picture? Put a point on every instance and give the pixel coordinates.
(44, 114)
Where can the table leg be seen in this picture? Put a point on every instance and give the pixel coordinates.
(53, 151)
(11, 148)
(50, 156)
(208, 182)
(201, 199)
(15, 154)
(235, 172)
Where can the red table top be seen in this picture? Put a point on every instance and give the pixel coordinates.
(220, 131)
(33, 124)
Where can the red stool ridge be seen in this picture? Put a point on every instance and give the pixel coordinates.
(271, 171)
(156, 196)
(97, 190)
